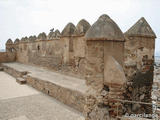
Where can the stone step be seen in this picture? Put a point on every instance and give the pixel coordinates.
(21, 80)
(68, 90)
(1, 68)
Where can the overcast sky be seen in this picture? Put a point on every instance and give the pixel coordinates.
(19, 18)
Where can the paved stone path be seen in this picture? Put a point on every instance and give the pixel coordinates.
(57, 78)
(21, 102)
(10, 89)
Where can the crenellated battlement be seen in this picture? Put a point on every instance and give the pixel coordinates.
(115, 65)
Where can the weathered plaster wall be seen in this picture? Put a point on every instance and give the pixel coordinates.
(79, 44)
(22, 53)
(46, 53)
(65, 54)
(7, 57)
(138, 50)
(94, 71)
(94, 63)
(115, 49)
(104, 69)
(78, 61)
(10, 48)
(67, 49)
(139, 63)
(105, 76)
(63, 51)
(74, 55)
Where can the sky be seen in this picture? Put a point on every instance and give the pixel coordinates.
(20, 18)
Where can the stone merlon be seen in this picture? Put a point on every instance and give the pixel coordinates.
(51, 35)
(104, 29)
(9, 41)
(82, 27)
(32, 38)
(16, 41)
(58, 34)
(68, 30)
(42, 36)
(141, 29)
(24, 39)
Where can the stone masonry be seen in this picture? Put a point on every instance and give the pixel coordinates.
(116, 67)
(104, 68)
(139, 60)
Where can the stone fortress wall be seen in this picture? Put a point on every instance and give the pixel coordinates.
(115, 65)
(58, 51)
(139, 60)
(7, 57)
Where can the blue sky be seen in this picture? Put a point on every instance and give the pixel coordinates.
(19, 18)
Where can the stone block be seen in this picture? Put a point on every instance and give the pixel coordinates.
(1, 69)
(113, 72)
(20, 80)
(69, 97)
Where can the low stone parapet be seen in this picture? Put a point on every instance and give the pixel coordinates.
(7, 57)
(65, 89)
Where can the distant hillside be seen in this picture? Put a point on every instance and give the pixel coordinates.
(2, 50)
(157, 53)
(157, 60)
(157, 57)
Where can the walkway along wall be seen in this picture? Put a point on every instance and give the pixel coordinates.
(116, 66)
(63, 52)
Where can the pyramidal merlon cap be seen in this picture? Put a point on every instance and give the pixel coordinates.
(68, 30)
(16, 41)
(9, 41)
(82, 27)
(141, 28)
(104, 29)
